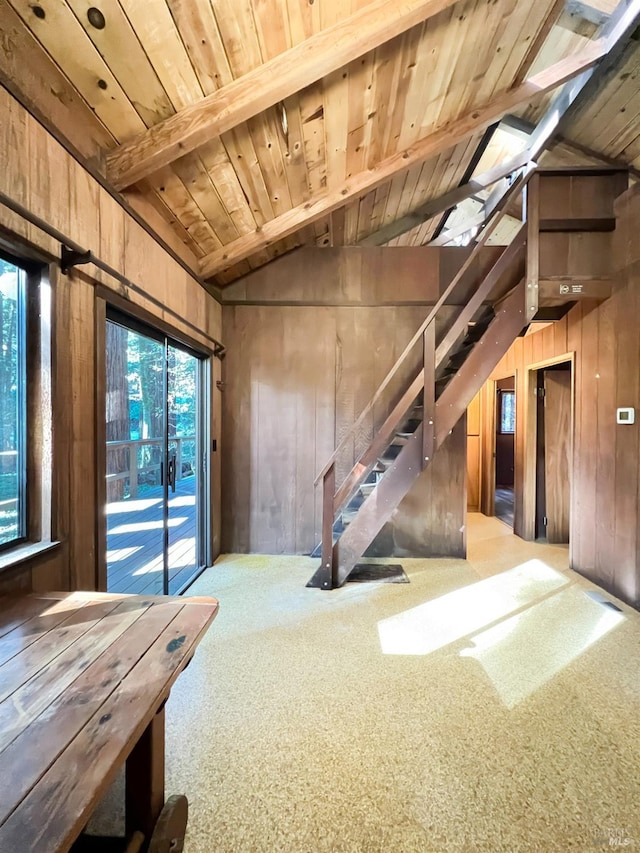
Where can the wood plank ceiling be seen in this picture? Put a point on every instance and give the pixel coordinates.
(119, 67)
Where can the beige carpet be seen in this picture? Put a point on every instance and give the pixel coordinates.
(489, 705)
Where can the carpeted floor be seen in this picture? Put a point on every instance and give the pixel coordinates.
(488, 705)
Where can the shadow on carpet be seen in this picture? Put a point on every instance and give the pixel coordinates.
(372, 572)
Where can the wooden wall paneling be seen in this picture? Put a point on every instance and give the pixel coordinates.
(606, 440)
(48, 169)
(273, 393)
(83, 203)
(473, 453)
(325, 352)
(585, 483)
(560, 341)
(153, 209)
(487, 476)
(627, 574)
(111, 242)
(358, 336)
(574, 344)
(548, 341)
(14, 176)
(48, 572)
(238, 422)
(314, 416)
(82, 479)
(526, 431)
(627, 391)
(447, 529)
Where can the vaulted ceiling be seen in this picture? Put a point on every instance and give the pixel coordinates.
(241, 129)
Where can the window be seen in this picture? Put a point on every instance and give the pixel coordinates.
(507, 412)
(12, 403)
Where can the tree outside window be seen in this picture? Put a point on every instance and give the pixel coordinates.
(12, 409)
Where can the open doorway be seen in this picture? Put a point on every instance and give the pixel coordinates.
(553, 448)
(504, 449)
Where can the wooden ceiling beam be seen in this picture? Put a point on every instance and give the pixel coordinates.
(614, 34)
(432, 145)
(586, 12)
(444, 202)
(270, 83)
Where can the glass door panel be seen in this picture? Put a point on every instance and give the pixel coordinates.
(184, 480)
(135, 408)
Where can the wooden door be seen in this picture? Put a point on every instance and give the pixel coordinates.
(557, 440)
(473, 455)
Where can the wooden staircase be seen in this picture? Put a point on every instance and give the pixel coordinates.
(459, 354)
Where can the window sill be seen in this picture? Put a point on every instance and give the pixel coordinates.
(22, 553)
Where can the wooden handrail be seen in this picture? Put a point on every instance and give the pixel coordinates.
(399, 412)
(500, 212)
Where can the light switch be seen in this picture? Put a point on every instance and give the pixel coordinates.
(626, 416)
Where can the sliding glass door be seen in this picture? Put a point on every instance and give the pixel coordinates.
(155, 461)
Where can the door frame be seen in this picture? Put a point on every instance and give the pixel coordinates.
(531, 440)
(488, 444)
(140, 317)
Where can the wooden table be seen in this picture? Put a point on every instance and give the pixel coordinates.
(83, 682)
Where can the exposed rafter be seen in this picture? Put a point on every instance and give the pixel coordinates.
(445, 202)
(272, 82)
(432, 145)
(586, 12)
(614, 34)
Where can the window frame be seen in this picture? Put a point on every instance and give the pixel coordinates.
(36, 406)
(502, 393)
(22, 393)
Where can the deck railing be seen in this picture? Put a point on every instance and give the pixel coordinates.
(133, 471)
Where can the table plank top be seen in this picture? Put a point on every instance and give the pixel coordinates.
(81, 676)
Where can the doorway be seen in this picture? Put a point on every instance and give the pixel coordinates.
(554, 405)
(155, 460)
(504, 449)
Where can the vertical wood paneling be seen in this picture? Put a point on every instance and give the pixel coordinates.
(585, 460)
(316, 368)
(606, 441)
(605, 517)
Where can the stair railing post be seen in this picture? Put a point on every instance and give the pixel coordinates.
(429, 394)
(328, 495)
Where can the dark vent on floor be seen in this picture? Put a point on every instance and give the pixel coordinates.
(599, 597)
(370, 572)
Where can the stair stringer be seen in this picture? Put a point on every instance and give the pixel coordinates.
(451, 405)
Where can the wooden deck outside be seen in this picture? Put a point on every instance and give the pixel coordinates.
(135, 538)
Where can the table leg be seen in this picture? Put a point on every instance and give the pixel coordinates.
(145, 779)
